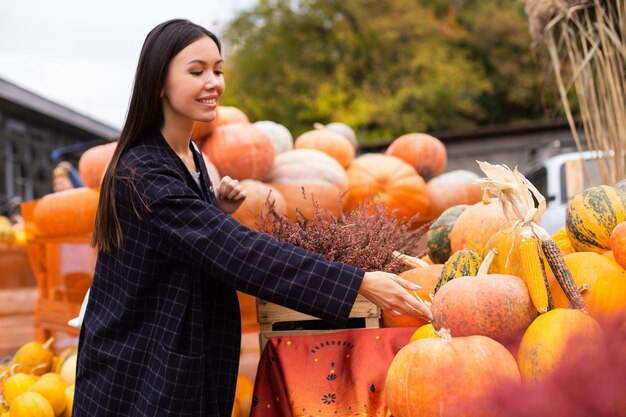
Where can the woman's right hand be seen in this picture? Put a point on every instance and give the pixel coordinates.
(389, 292)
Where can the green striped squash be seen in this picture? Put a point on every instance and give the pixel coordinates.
(462, 263)
(592, 215)
(439, 234)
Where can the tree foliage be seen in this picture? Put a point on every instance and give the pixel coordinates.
(384, 67)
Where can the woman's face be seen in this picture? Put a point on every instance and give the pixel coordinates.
(194, 83)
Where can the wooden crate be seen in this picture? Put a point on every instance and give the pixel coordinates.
(275, 320)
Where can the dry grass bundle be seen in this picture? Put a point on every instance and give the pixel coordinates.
(586, 43)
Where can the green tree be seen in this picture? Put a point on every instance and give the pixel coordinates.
(385, 67)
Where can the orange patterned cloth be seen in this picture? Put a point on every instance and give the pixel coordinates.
(330, 375)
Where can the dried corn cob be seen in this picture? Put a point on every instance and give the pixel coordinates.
(562, 274)
(533, 273)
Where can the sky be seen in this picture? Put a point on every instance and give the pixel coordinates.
(82, 54)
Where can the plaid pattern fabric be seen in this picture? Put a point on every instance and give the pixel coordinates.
(161, 333)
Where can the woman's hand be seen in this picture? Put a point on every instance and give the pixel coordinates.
(389, 292)
(230, 195)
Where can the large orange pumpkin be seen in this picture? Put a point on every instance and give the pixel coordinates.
(224, 115)
(390, 180)
(306, 177)
(256, 203)
(605, 279)
(494, 305)
(424, 276)
(425, 153)
(447, 376)
(93, 162)
(451, 189)
(240, 151)
(329, 142)
(476, 225)
(556, 338)
(69, 212)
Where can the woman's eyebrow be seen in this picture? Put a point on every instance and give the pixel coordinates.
(203, 62)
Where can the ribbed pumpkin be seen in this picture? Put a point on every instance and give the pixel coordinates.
(93, 162)
(447, 377)
(439, 234)
(387, 179)
(31, 404)
(34, 357)
(618, 244)
(341, 128)
(494, 305)
(561, 239)
(17, 384)
(53, 389)
(259, 195)
(461, 263)
(329, 142)
(507, 261)
(308, 176)
(279, 135)
(66, 213)
(224, 115)
(555, 338)
(425, 331)
(592, 215)
(240, 151)
(451, 189)
(476, 225)
(423, 152)
(424, 276)
(606, 280)
(59, 360)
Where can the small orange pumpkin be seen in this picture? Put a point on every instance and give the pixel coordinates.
(94, 162)
(475, 226)
(31, 404)
(425, 153)
(53, 389)
(618, 244)
(66, 213)
(451, 189)
(35, 357)
(329, 142)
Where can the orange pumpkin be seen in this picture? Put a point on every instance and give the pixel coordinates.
(425, 153)
(556, 338)
(606, 280)
(224, 115)
(259, 195)
(306, 177)
(94, 162)
(66, 213)
(329, 142)
(31, 404)
(494, 305)
(451, 189)
(240, 151)
(447, 376)
(618, 244)
(390, 180)
(424, 276)
(475, 226)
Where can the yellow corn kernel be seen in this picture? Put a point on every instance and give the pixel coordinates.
(533, 273)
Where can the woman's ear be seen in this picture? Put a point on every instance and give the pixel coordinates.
(161, 94)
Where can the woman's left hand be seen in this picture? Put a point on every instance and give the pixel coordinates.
(230, 195)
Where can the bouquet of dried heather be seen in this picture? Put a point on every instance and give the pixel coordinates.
(366, 238)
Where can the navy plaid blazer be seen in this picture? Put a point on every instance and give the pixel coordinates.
(161, 333)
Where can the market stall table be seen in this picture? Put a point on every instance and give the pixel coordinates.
(332, 374)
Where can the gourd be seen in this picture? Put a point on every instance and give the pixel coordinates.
(556, 338)
(423, 152)
(438, 236)
(446, 376)
(52, 388)
(386, 179)
(31, 404)
(592, 215)
(256, 203)
(94, 162)
(17, 384)
(423, 332)
(35, 357)
(240, 151)
(329, 142)
(66, 213)
(306, 177)
(69, 399)
(462, 263)
(494, 305)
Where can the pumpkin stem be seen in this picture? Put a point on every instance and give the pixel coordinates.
(411, 261)
(48, 343)
(445, 334)
(3, 374)
(318, 125)
(13, 368)
(38, 367)
(484, 266)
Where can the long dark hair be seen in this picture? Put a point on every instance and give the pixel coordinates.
(145, 114)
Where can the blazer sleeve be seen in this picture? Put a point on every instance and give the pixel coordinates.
(249, 261)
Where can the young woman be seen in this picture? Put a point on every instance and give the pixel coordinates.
(161, 332)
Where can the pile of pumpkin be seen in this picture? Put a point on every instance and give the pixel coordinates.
(37, 383)
(318, 166)
(508, 307)
(11, 233)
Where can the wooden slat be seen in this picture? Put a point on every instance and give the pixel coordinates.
(16, 301)
(272, 313)
(16, 318)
